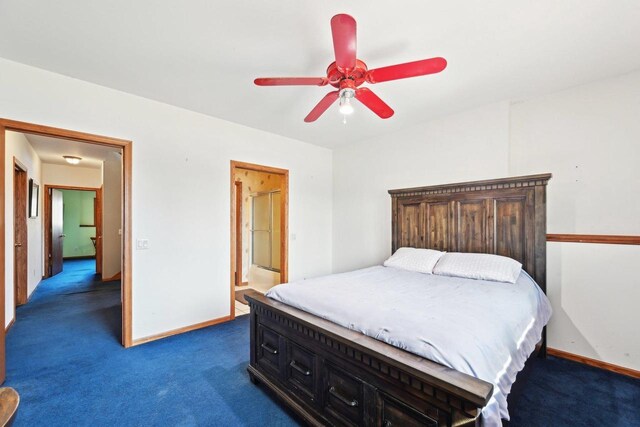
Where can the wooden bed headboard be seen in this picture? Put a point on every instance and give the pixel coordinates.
(505, 216)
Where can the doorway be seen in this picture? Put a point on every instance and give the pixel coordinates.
(125, 147)
(72, 227)
(259, 230)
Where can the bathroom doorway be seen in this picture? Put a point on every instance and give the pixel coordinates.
(259, 224)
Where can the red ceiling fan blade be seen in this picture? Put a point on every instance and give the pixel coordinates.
(322, 106)
(343, 29)
(406, 70)
(291, 81)
(372, 102)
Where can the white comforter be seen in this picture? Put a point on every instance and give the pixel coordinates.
(485, 329)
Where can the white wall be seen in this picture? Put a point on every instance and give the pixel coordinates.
(18, 146)
(467, 146)
(587, 136)
(181, 190)
(71, 176)
(112, 216)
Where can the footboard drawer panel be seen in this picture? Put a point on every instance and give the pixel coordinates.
(396, 414)
(343, 396)
(269, 350)
(301, 370)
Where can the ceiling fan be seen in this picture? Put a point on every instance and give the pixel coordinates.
(347, 73)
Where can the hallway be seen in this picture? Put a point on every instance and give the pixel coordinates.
(70, 319)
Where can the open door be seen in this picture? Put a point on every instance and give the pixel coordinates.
(97, 220)
(57, 232)
(20, 237)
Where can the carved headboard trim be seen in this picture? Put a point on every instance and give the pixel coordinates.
(502, 216)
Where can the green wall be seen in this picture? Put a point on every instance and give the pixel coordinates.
(78, 209)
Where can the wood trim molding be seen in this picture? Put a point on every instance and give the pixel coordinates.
(610, 239)
(24, 127)
(181, 330)
(71, 187)
(258, 168)
(3, 284)
(127, 222)
(284, 224)
(127, 243)
(238, 231)
(465, 187)
(593, 362)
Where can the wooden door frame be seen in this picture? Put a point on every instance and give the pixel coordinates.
(127, 256)
(238, 232)
(98, 210)
(20, 292)
(46, 217)
(284, 223)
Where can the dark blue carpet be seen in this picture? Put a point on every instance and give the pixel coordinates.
(65, 359)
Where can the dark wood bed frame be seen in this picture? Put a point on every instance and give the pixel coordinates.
(330, 375)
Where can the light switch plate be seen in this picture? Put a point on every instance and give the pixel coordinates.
(142, 244)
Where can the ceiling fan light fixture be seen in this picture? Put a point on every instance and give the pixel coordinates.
(345, 101)
(72, 160)
(347, 74)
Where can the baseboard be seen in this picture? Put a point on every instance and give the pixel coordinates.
(71, 258)
(593, 362)
(116, 276)
(6, 329)
(180, 330)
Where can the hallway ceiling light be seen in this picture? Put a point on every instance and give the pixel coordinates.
(73, 160)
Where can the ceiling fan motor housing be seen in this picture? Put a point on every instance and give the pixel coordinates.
(337, 75)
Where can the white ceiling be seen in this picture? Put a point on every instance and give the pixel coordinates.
(203, 55)
(51, 150)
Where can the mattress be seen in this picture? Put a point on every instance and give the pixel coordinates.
(482, 328)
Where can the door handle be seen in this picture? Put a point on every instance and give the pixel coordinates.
(17, 245)
(63, 235)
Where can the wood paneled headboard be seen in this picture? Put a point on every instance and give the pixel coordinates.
(500, 216)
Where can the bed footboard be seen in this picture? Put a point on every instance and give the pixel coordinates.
(330, 375)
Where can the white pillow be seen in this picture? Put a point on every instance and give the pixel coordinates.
(414, 259)
(479, 266)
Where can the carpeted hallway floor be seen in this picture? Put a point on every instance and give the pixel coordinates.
(65, 360)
